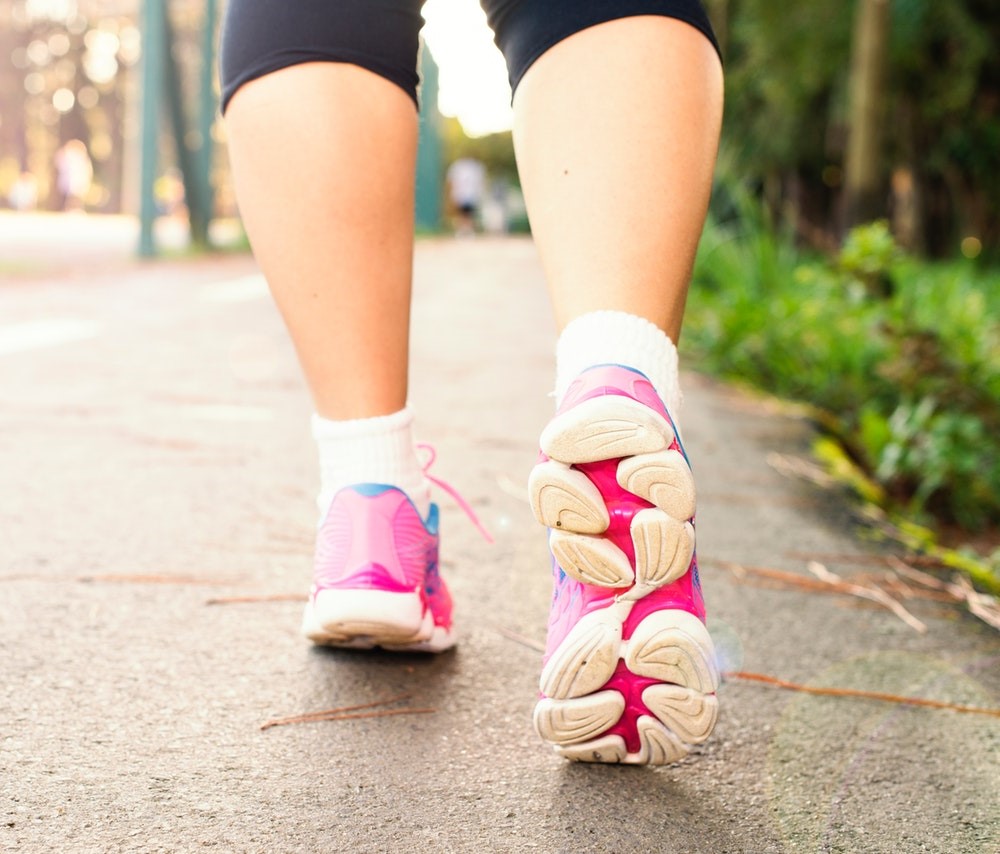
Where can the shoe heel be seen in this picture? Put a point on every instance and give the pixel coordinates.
(366, 618)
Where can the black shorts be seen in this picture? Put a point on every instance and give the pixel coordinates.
(262, 36)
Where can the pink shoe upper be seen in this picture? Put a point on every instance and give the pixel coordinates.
(374, 539)
(613, 379)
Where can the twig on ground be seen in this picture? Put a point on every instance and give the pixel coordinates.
(981, 605)
(126, 578)
(828, 583)
(519, 638)
(780, 576)
(271, 597)
(871, 559)
(797, 467)
(901, 581)
(864, 695)
(908, 571)
(875, 594)
(384, 713)
(345, 713)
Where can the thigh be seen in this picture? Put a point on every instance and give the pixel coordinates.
(262, 36)
(525, 29)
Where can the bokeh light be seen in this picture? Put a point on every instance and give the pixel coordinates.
(972, 247)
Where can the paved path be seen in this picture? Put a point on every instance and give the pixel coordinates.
(154, 430)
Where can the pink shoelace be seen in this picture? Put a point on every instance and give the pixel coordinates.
(454, 493)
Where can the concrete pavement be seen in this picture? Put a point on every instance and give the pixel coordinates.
(156, 455)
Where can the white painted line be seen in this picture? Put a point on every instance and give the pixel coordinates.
(36, 334)
(236, 290)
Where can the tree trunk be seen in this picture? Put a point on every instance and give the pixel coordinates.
(862, 173)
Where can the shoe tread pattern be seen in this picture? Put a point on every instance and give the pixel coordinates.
(669, 651)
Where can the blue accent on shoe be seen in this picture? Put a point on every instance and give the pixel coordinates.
(617, 365)
(370, 490)
(433, 520)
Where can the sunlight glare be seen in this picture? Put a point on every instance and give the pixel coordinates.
(473, 76)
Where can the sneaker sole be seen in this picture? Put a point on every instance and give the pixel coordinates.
(670, 648)
(364, 619)
(668, 660)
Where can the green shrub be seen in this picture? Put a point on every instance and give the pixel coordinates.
(902, 357)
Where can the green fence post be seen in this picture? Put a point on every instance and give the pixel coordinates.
(207, 110)
(187, 157)
(430, 161)
(153, 48)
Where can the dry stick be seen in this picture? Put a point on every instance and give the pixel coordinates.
(872, 593)
(320, 715)
(384, 713)
(872, 559)
(797, 467)
(157, 579)
(923, 578)
(794, 579)
(864, 695)
(896, 584)
(826, 585)
(272, 597)
(510, 634)
(980, 605)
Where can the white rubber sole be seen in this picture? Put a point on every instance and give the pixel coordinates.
(565, 500)
(671, 646)
(363, 619)
(603, 428)
(663, 550)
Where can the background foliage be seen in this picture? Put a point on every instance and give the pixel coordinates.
(900, 359)
(786, 116)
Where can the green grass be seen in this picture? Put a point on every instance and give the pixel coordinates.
(899, 358)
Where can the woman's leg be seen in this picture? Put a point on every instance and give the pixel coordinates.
(323, 156)
(320, 108)
(616, 130)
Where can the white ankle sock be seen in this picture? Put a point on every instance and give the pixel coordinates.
(618, 338)
(369, 450)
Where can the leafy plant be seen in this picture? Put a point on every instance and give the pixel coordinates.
(906, 378)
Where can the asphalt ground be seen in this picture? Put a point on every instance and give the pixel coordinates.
(155, 456)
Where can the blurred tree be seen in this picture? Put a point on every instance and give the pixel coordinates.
(945, 118)
(863, 184)
(787, 117)
(785, 91)
(69, 73)
(69, 61)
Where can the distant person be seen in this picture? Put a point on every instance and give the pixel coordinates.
(617, 110)
(23, 193)
(74, 175)
(495, 215)
(466, 188)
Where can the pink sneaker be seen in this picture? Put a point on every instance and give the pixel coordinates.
(375, 575)
(629, 673)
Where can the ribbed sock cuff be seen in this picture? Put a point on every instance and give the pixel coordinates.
(369, 450)
(618, 338)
